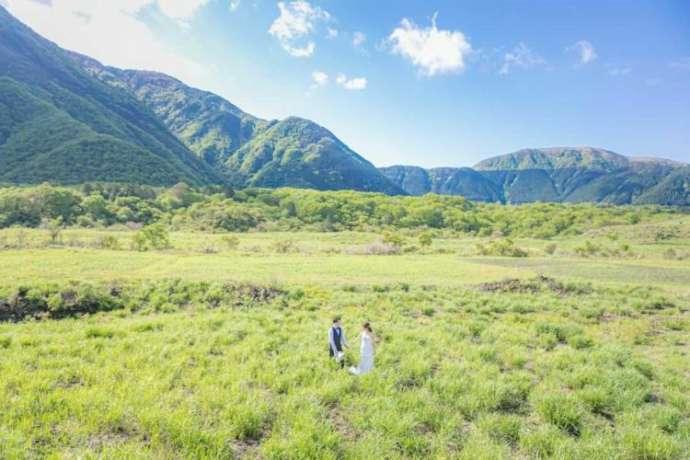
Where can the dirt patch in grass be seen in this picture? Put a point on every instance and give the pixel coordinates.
(341, 424)
(534, 285)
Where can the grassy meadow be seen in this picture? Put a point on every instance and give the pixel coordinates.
(214, 346)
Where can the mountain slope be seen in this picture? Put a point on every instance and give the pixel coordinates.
(248, 150)
(59, 124)
(299, 153)
(209, 125)
(444, 181)
(555, 158)
(560, 174)
(672, 190)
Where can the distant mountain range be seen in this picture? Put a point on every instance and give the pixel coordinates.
(66, 118)
(561, 174)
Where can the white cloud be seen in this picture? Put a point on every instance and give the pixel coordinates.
(352, 84)
(432, 50)
(294, 26)
(234, 4)
(331, 33)
(319, 78)
(181, 10)
(520, 57)
(584, 50)
(300, 51)
(358, 39)
(112, 32)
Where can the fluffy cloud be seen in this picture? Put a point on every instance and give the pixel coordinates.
(352, 84)
(112, 32)
(584, 50)
(358, 39)
(331, 33)
(432, 50)
(234, 4)
(181, 11)
(319, 78)
(295, 25)
(520, 57)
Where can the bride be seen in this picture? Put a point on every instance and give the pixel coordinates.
(366, 360)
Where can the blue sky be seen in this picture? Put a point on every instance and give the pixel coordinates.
(433, 83)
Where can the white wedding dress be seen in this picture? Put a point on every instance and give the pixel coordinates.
(366, 359)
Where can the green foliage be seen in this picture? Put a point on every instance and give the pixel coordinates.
(502, 247)
(291, 209)
(232, 242)
(426, 239)
(109, 242)
(218, 365)
(563, 411)
(154, 236)
(551, 248)
(283, 246)
(394, 239)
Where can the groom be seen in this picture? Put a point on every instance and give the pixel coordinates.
(336, 342)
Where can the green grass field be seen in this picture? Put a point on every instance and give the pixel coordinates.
(593, 365)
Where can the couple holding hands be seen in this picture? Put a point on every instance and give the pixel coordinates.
(337, 343)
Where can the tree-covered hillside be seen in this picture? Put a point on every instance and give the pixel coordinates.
(245, 149)
(60, 124)
(564, 174)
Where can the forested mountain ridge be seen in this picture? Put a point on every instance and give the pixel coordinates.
(59, 124)
(560, 174)
(247, 150)
(66, 118)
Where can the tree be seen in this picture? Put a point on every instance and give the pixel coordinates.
(425, 239)
(54, 227)
(153, 236)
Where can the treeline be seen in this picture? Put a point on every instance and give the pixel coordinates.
(217, 209)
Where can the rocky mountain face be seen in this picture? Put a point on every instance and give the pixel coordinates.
(562, 174)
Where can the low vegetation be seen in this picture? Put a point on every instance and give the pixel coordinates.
(135, 324)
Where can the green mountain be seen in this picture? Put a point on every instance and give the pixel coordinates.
(248, 150)
(59, 124)
(444, 181)
(673, 189)
(299, 153)
(207, 124)
(66, 118)
(556, 158)
(561, 174)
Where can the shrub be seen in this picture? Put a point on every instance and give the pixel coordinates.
(108, 242)
(374, 249)
(231, 242)
(550, 249)
(503, 248)
(99, 333)
(153, 236)
(283, 246)
(580, 341)
(425, 239)
(54, 227)
(428, 311)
